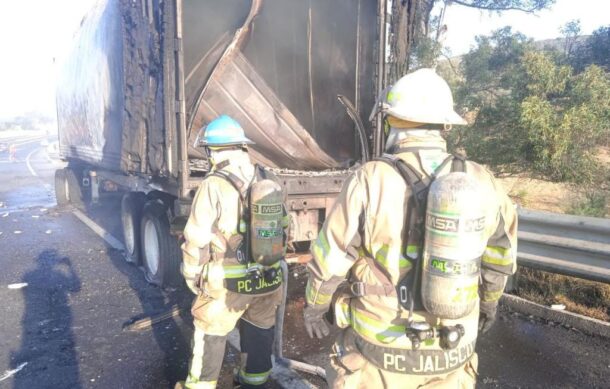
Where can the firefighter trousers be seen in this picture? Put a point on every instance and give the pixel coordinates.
(217, 314)
(354, 371)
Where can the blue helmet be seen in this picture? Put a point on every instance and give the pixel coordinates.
(223, 131)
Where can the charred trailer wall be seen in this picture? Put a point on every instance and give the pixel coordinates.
(281, 78)
(111, 92)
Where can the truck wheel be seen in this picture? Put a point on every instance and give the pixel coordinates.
(131, 216)
(75, 194)
(61, 187)
(161, 254)
(67, 189)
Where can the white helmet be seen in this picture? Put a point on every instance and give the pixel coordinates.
(421, 97)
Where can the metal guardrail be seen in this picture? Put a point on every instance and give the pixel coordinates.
(576, 246)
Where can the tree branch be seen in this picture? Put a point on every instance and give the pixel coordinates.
(493, 7)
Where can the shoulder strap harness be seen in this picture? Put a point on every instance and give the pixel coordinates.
(419, 184)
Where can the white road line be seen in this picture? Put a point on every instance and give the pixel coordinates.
(28, 141)
(27, 161)
(108, 237)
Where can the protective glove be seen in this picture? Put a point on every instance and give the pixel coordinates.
(487, 315)
(314, 321)
(193, 285)
(192, 278)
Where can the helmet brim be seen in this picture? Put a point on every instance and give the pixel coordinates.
(447, 118)
(234, 143)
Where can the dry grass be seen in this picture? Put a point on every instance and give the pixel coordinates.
(538, 194)
(579, 296)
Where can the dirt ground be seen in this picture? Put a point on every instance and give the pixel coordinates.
(538, 194)
(580, 296)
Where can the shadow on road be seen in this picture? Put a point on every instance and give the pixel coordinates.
(168, 334)
(48, 345)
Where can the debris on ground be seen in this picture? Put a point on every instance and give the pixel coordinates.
(558, 307)
(5, 214)
(10, 373)
(18, 285)
(17, 232)
(48, 232)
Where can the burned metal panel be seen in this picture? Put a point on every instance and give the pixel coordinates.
(306, 53)
(311, 51)
(110, 92)
(237, 90)
(144, 148)
(90, 97)
(208, 27)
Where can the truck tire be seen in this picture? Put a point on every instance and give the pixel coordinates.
(67, 188)
(131, 217)
(75, 194)
(161, 254)
(61, 187)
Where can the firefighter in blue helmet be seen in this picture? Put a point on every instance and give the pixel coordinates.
(231, 288)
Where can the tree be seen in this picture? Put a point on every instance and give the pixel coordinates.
(594, 50)
(411, 24)
(570, 32)
(599, 44)
(531, 112)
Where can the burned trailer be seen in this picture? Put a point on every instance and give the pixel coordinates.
(145, 76)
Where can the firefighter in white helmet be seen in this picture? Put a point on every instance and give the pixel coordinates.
(410, 280)
(231, 287)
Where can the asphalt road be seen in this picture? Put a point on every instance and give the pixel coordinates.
(64, 328)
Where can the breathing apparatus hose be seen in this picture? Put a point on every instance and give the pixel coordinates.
(351, 111)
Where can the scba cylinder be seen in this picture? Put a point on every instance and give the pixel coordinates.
(454, 243)
(266, 230)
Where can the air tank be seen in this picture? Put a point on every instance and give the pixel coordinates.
(454, 243)
(266, 230)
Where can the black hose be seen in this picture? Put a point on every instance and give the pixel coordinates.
(351, 111)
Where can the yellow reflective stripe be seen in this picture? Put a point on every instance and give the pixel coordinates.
(388, 261)
(342, 314)
(498, 256)
(314, 296)
(286, 221)
(192, 383)
(196, 367)
(412, 251)
(253, 378)
(321, 249)
(373, 329)
(239, 271)
(492, 296)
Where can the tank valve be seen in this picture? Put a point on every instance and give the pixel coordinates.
(418, 332)
(450, 336)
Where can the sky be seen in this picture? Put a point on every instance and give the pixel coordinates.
(465, 23)
(35, 32)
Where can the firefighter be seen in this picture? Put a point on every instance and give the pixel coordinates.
(12, 151)
(231, 290)
(370, 248)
